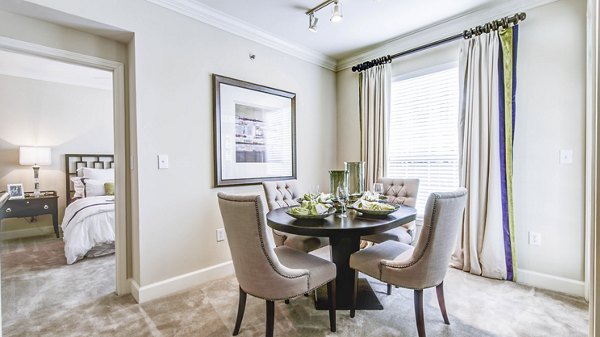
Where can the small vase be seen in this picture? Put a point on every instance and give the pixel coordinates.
(337, 178)
(356, 177)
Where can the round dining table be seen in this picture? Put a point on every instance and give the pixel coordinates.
(344, 235)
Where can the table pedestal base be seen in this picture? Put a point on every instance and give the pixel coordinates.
(365, 300)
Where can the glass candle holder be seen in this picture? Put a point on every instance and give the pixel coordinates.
(356, 177)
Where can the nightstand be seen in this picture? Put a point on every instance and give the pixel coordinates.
(31, 206)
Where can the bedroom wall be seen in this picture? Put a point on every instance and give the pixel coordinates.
(67, 118)
(174, 59)
(549, 197)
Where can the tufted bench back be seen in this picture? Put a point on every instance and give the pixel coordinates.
(281, 193)
(400, 191)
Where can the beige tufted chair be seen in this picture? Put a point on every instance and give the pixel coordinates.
(264, 271)
(426, 264)
(404, 192)
(284, 194)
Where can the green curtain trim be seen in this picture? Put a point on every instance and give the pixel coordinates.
(506, 39)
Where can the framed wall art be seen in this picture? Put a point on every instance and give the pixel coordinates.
(255, 133)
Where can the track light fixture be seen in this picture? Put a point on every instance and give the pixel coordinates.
(312, 23)
(336, 13)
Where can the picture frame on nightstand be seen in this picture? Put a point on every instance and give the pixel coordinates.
(15, 191)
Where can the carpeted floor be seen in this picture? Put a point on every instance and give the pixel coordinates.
(41, 296)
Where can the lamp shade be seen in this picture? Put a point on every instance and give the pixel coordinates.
(35, 155)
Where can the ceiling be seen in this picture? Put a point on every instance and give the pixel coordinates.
(366, 22)
(44, 69)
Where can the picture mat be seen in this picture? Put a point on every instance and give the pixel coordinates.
(277, 114)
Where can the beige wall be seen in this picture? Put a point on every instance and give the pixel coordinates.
(549, 197)
(48, 34)
(66, 118)
(174, 59)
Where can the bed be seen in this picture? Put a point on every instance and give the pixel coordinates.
(89, 221)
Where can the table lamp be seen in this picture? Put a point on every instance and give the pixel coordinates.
(35, 156)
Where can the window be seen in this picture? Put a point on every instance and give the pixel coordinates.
(423, 133)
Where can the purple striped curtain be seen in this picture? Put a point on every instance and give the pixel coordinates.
(487, 69)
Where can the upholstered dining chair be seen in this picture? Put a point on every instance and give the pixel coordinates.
(284, 194)
(424, 265)
(404, 192)
(267, 272)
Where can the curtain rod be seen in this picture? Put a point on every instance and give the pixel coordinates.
(504, 22)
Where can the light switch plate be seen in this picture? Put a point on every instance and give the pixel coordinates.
(220, 234)
(535, 238)
(163, 161)
(566, 156)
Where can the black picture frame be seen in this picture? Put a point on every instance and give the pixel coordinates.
(250, 160)
(15, 191)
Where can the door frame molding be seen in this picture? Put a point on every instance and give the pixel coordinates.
(592, 253)
(119, 120)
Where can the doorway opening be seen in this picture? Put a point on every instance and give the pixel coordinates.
(71, 104)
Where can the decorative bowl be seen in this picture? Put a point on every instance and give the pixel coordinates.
(379, 213)
(310, 216)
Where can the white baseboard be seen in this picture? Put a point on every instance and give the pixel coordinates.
(178, 283)
(551, 282)
(134, 287)
(26, 232)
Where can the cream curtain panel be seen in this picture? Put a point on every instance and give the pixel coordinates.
(486, 122)
(374, 93)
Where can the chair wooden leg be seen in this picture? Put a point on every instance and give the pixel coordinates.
(440, 295)
(240, 314)
(419, 312)
(389, 289)
(332, 305)
(270, 318)
(353, 308)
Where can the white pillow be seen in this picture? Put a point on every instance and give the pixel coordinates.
(78, 186)
(99, 174)
(93, 187)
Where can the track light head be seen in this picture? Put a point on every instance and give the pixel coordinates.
(336, 13)
(312, 23)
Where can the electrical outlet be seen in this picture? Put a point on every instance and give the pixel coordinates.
(220, 234)
(163, 161)
(566, 156)
(535, 238)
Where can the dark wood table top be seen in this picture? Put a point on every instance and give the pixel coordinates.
(355, 224)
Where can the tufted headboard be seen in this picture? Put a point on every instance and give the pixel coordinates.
(400, 191)
(73, 162)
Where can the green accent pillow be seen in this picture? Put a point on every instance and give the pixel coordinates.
(109, 188)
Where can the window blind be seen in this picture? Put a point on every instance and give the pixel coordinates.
(423, 132)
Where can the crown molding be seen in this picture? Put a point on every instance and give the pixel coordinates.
(228, 23)
(440, 30)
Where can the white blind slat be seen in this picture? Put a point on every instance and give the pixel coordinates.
(423, 141)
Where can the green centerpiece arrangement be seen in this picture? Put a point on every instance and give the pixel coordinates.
(313, 206)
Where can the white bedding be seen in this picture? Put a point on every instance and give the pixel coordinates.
(87, 223)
